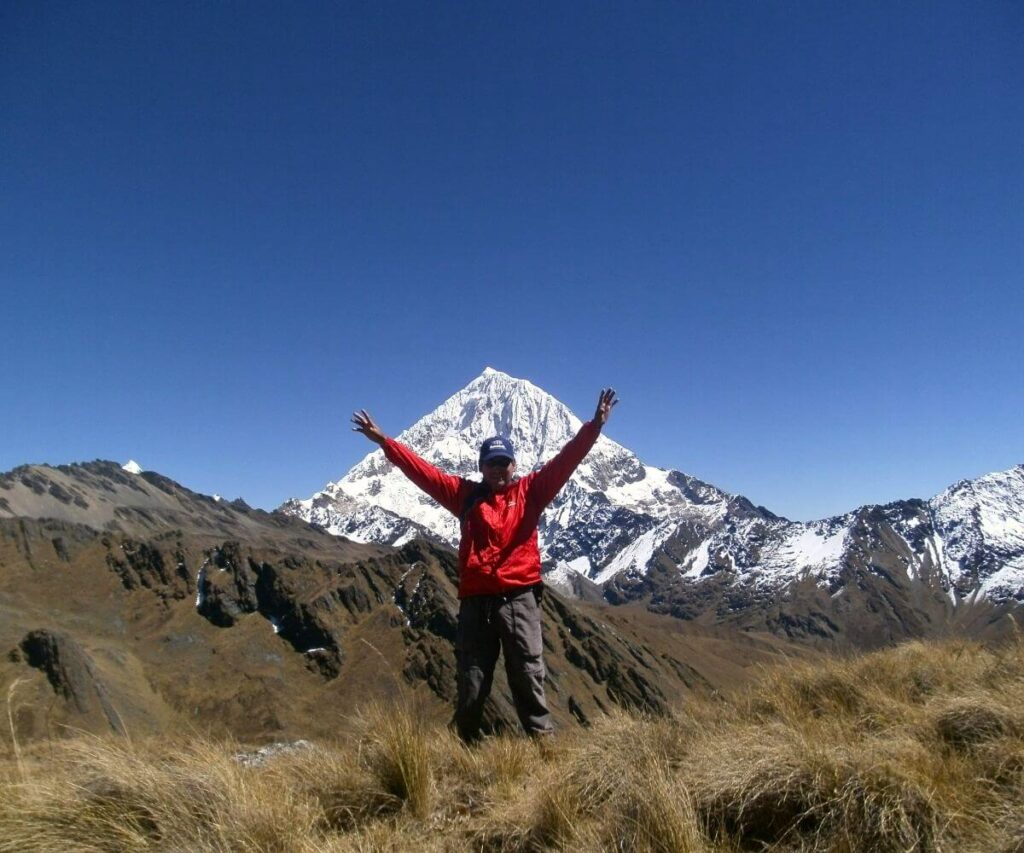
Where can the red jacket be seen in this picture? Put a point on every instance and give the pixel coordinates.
(498, 552)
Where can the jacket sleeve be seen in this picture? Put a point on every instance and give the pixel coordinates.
(443, 488)
(548, 481)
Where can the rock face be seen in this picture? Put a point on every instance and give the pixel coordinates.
(141, 566)
(72, 674)
(689, 549)
(318, 611)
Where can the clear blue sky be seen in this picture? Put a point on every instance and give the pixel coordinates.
(790, 234)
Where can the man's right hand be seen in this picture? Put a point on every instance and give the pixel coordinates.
(364, 424)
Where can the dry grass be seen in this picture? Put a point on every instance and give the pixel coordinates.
(920, 748)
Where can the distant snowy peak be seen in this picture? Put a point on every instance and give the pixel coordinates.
(981, 523)
(132, 467)
(995, 501)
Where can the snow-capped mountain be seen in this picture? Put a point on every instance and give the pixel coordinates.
(979, 525)
(967, 542)
(611, 499)
(641, 531)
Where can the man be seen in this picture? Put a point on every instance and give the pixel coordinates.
(499, 563)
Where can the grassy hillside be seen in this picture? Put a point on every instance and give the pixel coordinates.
(920, 747)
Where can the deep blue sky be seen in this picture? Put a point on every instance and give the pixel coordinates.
(790, 234)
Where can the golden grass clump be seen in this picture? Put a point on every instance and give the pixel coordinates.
(495, 771)
(346, 795)
(773, 785)
(109, 794)
(612, 787)
(657, 815)
(915, 748)
(967, 723)
(396, 750)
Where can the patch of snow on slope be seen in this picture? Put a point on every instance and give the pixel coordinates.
(811, 549)
(581, 565)
(802, 549)
(132, 467)
(560, 577)
(655, 495)
(698, 560)
(635, 557)
(201, 584)
(1006, 582)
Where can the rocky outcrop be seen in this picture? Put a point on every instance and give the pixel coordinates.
(627, 671)
(227, 586)
(141, 565)
(71, 673)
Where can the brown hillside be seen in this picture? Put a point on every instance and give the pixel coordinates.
(177, 611)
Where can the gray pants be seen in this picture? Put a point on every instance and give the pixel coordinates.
(489, 624)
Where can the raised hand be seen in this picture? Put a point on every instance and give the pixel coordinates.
(364, 424)
(605, 403)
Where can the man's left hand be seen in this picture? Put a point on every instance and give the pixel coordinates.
(605, 403)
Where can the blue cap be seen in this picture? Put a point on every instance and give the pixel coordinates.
(497, 447)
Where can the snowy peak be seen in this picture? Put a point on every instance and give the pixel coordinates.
(981, 523)
(610, 478)
(994, 498)
(495, 404)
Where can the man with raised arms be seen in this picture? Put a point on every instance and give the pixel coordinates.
(499, 563)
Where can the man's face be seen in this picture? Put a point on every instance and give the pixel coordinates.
(498, 473)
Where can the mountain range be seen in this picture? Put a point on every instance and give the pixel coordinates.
(627, 531)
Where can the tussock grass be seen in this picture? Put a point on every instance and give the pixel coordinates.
(396, 751)
(919, 747)
(779, 786)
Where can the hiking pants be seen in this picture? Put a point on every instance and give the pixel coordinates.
(489, 624)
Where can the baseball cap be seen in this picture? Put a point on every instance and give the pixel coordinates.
(496, 447)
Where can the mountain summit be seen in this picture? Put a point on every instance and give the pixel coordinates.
(611, 499)
(690, 549)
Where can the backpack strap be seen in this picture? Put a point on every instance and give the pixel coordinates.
(479, 493)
